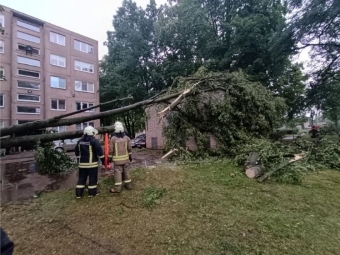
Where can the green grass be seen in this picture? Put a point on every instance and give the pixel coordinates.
(208, 208)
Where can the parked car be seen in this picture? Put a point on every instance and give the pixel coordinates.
(65, 145)
(139, 141)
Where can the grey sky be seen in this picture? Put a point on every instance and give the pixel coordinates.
(86, 17)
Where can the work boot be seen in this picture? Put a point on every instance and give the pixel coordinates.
(94, 195)
(116, 189)
(128, 185)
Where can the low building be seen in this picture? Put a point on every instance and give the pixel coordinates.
(154, 131)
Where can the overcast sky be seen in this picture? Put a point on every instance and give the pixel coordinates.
(87, 17)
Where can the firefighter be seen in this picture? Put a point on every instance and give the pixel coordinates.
(120, 154)
(88, 151)
(118, 123)
(314, 131)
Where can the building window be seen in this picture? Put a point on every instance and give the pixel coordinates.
(28, 37)
(2, 20)
(2, 47)
(28, 61)
(82, 105)
(28, 85)
(22, 47)
(30, 98)
(1, 100)
(60, 129)
(58, 104)
(57, 38)
(28, 109)
(57, 82)
(57, 60)
(84, 86)
(81, 126)
(82, 66)
(84, 47)
(2, 73)
(28, 73)
(28, 25)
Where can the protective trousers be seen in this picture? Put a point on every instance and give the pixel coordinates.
(122, 174)
(92, 173)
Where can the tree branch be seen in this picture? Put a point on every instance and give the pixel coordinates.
(23, 128)
(56, 118)
(11, 142)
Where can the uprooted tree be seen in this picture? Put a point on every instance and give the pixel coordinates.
(22, 129)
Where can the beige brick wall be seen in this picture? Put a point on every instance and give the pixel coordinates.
(154, 131)
(154, 128)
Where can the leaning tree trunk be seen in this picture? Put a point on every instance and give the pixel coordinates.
(49, 137)
(55, 122)
(24, 128)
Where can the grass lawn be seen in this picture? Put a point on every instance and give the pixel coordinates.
(207, 208)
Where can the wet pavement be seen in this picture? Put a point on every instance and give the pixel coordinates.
(20, 180)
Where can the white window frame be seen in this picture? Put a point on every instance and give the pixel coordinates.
(28, 112)
(29, 26)
(3, 73)
(87, 46)
(2, 44)
(58, 40)
(24, 100)
(57, 58)
(18, 61)
(81, 68)
(58, 105)
(2, 18)
(58, 129)
(28, 39)
(85, 108)
(59, 82)
(20, 44)
(3, 100)
(28, 75)
(82, 125)
(81, 84)
(27, 88)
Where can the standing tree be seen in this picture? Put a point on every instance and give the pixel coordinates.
(131, 66)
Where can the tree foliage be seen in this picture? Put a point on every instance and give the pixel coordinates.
(149, 48)
(238, 108)
(315, 25)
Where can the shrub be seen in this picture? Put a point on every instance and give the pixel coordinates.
(50, 161)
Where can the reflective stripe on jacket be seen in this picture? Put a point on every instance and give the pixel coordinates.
(89, 151)
(120, 149)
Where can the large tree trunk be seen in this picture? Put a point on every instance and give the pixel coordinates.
(53, 122)
(49, 137)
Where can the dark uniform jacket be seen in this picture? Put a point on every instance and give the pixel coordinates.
(88, 150)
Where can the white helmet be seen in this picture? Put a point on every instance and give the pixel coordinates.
(90, 131)
(118, 123)
(119, 128)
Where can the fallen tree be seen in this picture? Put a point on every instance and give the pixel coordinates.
(16, 141)
(59, 121)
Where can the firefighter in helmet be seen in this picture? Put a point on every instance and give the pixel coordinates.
(88, 151)
(120, 154)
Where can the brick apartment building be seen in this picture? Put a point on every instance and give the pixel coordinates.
(45, 71)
